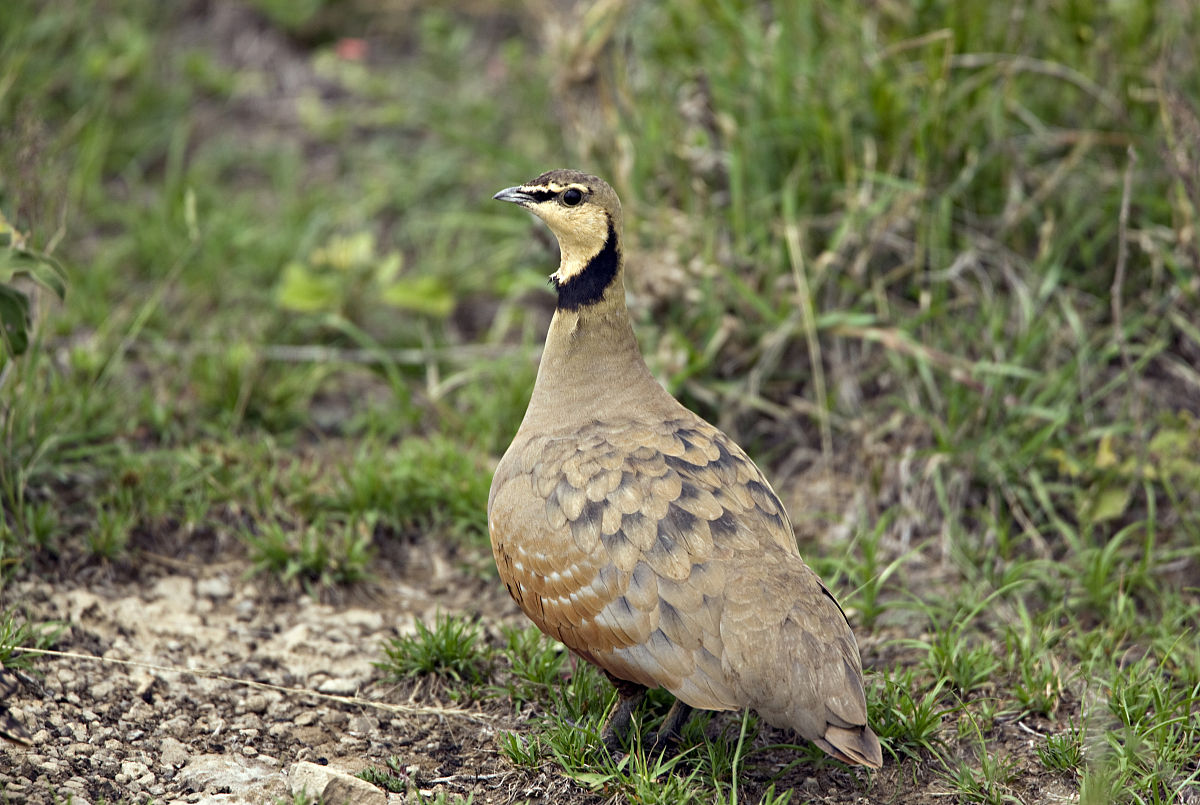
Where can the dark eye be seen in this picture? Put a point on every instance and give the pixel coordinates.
(572, 196)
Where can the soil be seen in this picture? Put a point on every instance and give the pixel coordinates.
(176, 704)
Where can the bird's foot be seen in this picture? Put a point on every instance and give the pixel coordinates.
(616, 728)
(612, 743)
(666, 741)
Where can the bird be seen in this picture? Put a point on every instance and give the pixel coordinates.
(644, 538)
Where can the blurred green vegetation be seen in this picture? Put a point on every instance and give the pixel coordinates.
(944, 253)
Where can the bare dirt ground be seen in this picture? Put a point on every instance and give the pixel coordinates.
(124, 727)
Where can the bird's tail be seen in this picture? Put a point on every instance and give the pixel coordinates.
(853, 745)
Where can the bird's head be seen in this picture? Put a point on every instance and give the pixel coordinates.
(584, 213)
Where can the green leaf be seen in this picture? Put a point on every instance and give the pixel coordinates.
(845, 318)
(299, 289)
(389, 267)
(346, 252)
(14, 320)
(1105, 501)
(1175, 451)
(41, 268)
(593, 780)
(420, 294)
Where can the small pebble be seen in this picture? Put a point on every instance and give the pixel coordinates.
(217, 588)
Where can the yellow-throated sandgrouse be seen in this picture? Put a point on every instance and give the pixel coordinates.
(641, 536)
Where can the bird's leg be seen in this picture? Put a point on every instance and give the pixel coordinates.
(616, 728)
(666, 740)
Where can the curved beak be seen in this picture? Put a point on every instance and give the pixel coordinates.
(516, 195)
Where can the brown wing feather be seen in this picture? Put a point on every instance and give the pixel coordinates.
(613, 540)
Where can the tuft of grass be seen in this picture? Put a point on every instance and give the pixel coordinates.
(870, 574)
(319, 554)
(966, 662)
(640, 777)
(428, 485)
(33, 527)
(17, 633)
(536, 665)
(1063, 751)
(450, 649)
(522, 752)
(391, 777)
(114, 526)
(989, 784)
(1154, 745)
(907, 722)
(1030, 655)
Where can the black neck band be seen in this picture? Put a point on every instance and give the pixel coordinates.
(587, 287)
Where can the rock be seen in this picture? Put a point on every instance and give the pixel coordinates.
(295, 638)
(14, 788)
(179, 590)
(177, 727)
(74, 789)
(338, 687)
(225, 774)
(78, 750)
(363, 724)
(245, 609)
(144, 683)
(306, 718)
(366, 620)
(135, 772)
(101, 691)
(247, 721)
(140, 713)
(217, 588)
(173, 753)
(255, 703)
(332, 786)
(81, 603)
